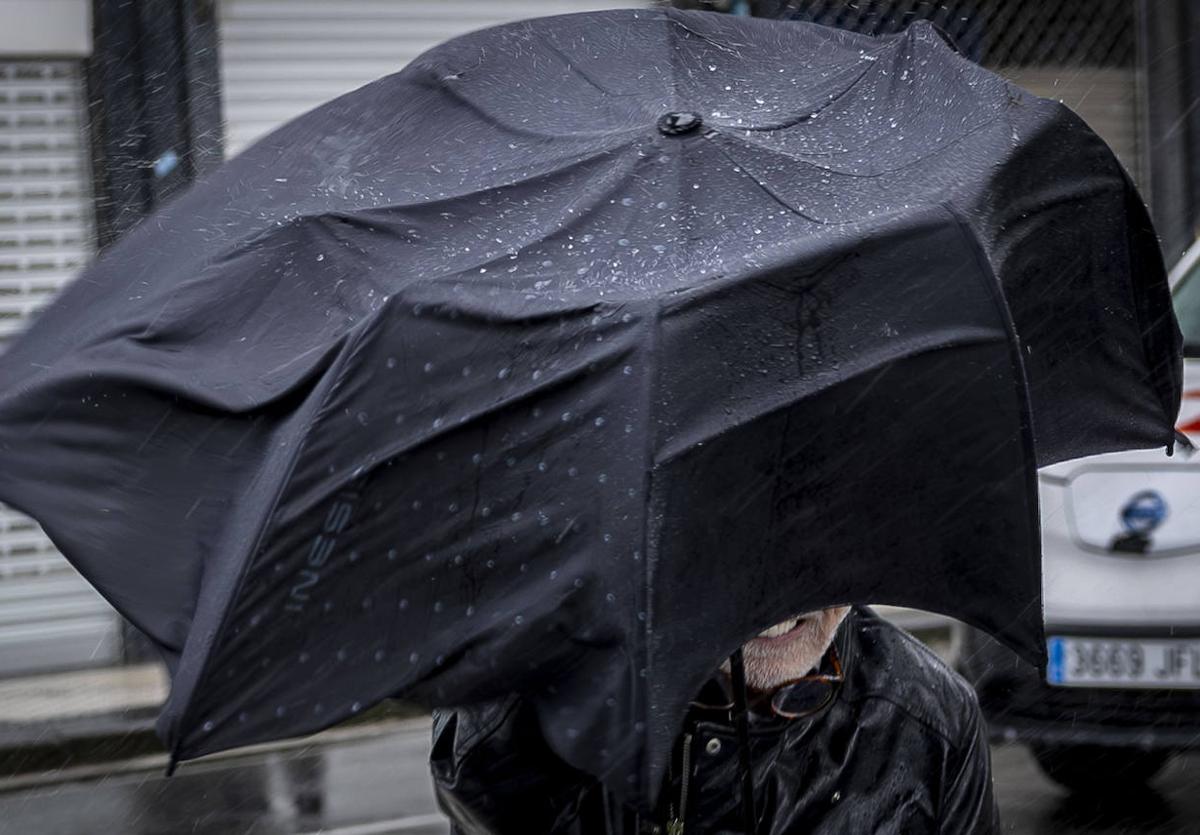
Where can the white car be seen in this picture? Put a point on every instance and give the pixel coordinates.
(1121, 564)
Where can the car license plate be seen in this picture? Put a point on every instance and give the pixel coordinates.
(1123, 662)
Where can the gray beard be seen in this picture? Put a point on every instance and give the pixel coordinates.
(768, 667)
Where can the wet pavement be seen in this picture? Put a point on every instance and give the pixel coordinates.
(373, 781)
(1032, 805)
(370, 781)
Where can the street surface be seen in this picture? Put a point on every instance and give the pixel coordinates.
(366, 782)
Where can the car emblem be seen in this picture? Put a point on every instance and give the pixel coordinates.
(1140, 517)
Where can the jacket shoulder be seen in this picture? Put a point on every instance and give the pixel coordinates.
(890, 665)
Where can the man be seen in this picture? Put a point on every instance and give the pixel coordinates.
(855, 727)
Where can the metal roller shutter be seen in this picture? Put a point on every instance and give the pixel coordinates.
(280, 58)
(1104, 97)
(49, 616)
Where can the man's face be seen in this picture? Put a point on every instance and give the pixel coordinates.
(790, 649)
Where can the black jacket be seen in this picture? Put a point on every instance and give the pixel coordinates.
(900, 748)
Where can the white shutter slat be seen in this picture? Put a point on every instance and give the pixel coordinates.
(49, 616)
(45, 232)
(281, 58)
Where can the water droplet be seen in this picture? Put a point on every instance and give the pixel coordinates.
(356, 707)
(379, 655)
(403, 604)
(438, 606)
(413, 657)
(428, 367)
(503, 373)
(391, 362)
(602, 478)
(207, 726)
(598, 422)
(518, 620)
(610, 597)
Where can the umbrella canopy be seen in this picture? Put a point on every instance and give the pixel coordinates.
(576, 353)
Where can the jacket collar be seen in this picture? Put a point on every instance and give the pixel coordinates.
(713, 705)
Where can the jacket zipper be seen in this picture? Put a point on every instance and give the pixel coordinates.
(675, 825)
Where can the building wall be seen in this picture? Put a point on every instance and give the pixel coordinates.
(280, 58)
(49, 616)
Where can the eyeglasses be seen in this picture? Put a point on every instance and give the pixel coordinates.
(808, 694)
(797, 698)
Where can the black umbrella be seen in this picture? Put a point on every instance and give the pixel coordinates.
(578, 352)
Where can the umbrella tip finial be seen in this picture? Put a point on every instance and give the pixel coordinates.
(677, 123)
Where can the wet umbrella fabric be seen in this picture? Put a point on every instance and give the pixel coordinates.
(576, 353)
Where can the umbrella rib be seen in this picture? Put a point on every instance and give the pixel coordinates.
(496, 122)
(964, 337)
(579, 72)
(400, 447)
(649, 540)
(217, 634)
(763, 186)
(731, 133)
